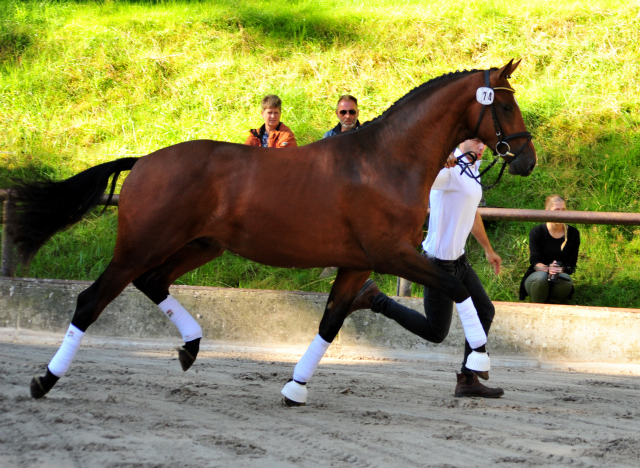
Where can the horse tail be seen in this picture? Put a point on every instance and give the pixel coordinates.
(44, 207)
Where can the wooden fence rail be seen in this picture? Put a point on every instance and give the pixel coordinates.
(9, 262)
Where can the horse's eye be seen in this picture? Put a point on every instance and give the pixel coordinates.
(507, 108)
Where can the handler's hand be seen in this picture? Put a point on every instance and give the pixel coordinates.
(451, 161)
(495, 260)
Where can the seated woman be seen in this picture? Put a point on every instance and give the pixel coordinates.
(553, 251)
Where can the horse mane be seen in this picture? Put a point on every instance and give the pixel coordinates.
(425, 88)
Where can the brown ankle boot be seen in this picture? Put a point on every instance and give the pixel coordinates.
(365, 296)
(470, 386)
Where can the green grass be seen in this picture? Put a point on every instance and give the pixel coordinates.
(83, 82)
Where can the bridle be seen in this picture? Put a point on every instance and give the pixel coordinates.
(485, 96)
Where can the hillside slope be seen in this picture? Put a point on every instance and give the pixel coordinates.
(86, 82)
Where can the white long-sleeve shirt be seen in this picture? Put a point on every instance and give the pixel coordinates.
(454, 201)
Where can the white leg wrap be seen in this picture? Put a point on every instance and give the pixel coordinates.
(309, 361)
(184, 322)
(473, 330)
(61, 362)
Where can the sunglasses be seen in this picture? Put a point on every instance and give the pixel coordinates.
(350, 111)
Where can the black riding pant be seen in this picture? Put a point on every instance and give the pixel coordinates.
(434, 327)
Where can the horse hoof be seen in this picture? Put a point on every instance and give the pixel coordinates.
(479, 364)
(186, 358)
(484, 375)
(294, 392)
(290, 403)
(37, 389)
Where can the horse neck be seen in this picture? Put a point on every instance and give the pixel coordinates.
(424, 131)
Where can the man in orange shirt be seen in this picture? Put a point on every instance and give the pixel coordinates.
(273, 134)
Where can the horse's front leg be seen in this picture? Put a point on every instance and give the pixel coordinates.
(345, 288)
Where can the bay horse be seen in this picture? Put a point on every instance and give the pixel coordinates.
(357, 200)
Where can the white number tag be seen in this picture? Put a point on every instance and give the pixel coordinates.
(484, 96)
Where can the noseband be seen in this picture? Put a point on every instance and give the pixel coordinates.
(485, 96)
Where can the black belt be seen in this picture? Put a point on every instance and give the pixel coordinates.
(461, 259)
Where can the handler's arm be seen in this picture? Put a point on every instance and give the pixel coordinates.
(443, 180)
(480, 234)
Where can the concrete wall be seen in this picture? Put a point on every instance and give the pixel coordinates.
(572, 333)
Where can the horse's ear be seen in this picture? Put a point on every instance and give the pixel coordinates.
(508, 69)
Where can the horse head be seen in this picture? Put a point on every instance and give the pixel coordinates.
(502, 128)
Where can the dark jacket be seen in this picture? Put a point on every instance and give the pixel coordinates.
(544, 248)
(337, 129)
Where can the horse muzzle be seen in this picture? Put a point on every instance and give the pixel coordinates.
(525, 163)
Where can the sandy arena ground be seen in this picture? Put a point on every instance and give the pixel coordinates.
(127, 404)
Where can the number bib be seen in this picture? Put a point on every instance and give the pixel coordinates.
(484, 96)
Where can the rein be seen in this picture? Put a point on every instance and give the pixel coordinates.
(486, 97)
(466, 168)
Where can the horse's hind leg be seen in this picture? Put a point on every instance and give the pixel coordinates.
(91, 302)
(155, 285)
(345, 288)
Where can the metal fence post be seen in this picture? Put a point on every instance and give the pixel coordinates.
(8, 267)
(403, 287)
